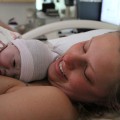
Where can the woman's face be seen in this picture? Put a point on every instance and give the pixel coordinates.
(88, 70)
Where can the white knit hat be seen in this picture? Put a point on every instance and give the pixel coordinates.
(35, 59)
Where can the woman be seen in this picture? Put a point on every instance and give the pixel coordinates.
(88, 73)
(89, 70)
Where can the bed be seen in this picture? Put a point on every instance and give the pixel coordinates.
(60, 45)
(50, 31)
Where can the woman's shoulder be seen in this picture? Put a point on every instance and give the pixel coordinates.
(57, 102)
(38, 102)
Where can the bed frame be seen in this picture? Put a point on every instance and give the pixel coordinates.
(51, 30)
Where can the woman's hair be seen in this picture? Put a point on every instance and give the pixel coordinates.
(110, 105)
(92, 110)
(110, 108)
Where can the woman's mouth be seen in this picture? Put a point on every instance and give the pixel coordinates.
(61, 69)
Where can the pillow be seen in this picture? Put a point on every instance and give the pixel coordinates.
(60, 45)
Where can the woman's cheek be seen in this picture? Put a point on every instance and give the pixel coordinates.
(78, 83)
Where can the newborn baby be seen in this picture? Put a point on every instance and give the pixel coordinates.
(27, 60)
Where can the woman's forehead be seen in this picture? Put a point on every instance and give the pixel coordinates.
(112, 39)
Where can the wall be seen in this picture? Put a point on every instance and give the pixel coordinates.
(16, 10)
(19, 11)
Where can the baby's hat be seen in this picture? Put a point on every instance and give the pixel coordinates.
(35, 59)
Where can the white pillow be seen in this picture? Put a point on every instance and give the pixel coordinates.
(60, 45)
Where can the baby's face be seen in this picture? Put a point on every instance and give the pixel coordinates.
(10, 62)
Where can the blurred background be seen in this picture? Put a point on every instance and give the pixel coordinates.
(35, 13)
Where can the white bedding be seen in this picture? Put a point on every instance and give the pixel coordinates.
(60, 45)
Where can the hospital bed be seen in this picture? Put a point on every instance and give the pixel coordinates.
(50, 31)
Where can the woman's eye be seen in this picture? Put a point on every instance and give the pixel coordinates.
(86, 76)
(84, 48)
(85, 72)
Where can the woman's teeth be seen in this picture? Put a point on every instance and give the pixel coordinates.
(61, 69)
(60, 66)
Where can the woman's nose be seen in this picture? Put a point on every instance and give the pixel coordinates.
(74, 60)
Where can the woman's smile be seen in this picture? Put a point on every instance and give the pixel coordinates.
(59, 68)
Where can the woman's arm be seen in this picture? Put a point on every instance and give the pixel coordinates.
(20, 102)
